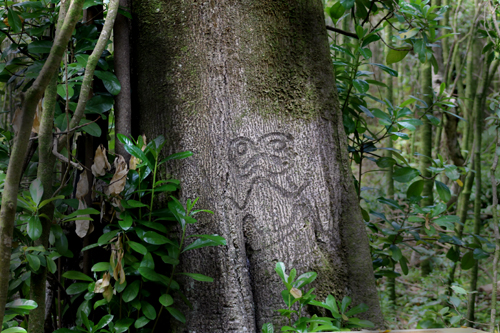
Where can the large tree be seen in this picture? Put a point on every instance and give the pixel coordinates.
(248, 87)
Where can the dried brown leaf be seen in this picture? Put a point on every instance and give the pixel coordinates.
(101, 163)
(117, 183)
(83, 226)
(82, 188)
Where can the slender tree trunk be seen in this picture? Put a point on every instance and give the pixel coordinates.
(391, 281)
(46, 175)
(33, 95)
(426, 149)
(478, 127)
(123, 103)
(248, 88)
(494, 223)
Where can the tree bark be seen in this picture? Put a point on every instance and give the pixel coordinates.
(123, 103)
(249, 88)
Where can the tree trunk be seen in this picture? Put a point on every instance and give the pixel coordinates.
(248, 88)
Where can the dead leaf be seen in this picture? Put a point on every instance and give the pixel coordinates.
(101, 163)
(102, 284)
(296, 293)
(117, 183)
(82, 188)
(83, 226)
(116, 260)
(37, 119)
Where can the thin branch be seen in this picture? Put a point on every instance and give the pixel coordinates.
(71, 130)
(64, 158)
(342, 32)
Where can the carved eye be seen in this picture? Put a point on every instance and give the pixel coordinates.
(241, 148)
(276, 144)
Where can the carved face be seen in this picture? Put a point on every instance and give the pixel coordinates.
(271, 154)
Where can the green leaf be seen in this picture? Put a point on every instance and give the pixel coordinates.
(14, 20)
(176, 314)
(149, 273)
(415, 190)
(16, 329)
(61, 91)
(403, 262)
(125, 221)
(148, 310)
(34, 227)
(410, 124)
(77, 288)
(101, 267)
(199, 277)
(347, 4)
(480, 254)
(40, 46)
(367, 54)
(447, 221)
(361, 85)
(133, 150)
(385, 162)
(36, 191)
(395, 55)
(131, 292)
(453, 255)
(370, 39)
(91, 129)
(33, 261)
(178, 211)
(141, 322)
(443, 191)
(139, 248)
(304, 279)
(336, 11)
(155, 238)
(280, 269)
(267, 328)
(103, 322)
(468, 261)
(177, 156)
(105, 238)
(75, 275)
(405, 174)
(166, 300)
(123, 324)
(86, 211)
(199, 243)
(396, 253)
(345, 303)
(110, 82)
(386, 69)
(409, 34)
(135, 204)
(360, 308)
(459, 290)
(21, 303)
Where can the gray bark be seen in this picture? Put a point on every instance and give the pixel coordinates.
(123, 104)
(248, 87)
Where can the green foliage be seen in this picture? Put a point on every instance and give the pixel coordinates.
(138, 239)
(296, 298)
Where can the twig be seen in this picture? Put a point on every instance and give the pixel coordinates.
(369, 12)
(71, 130)
(342, 32)
(64, 158)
